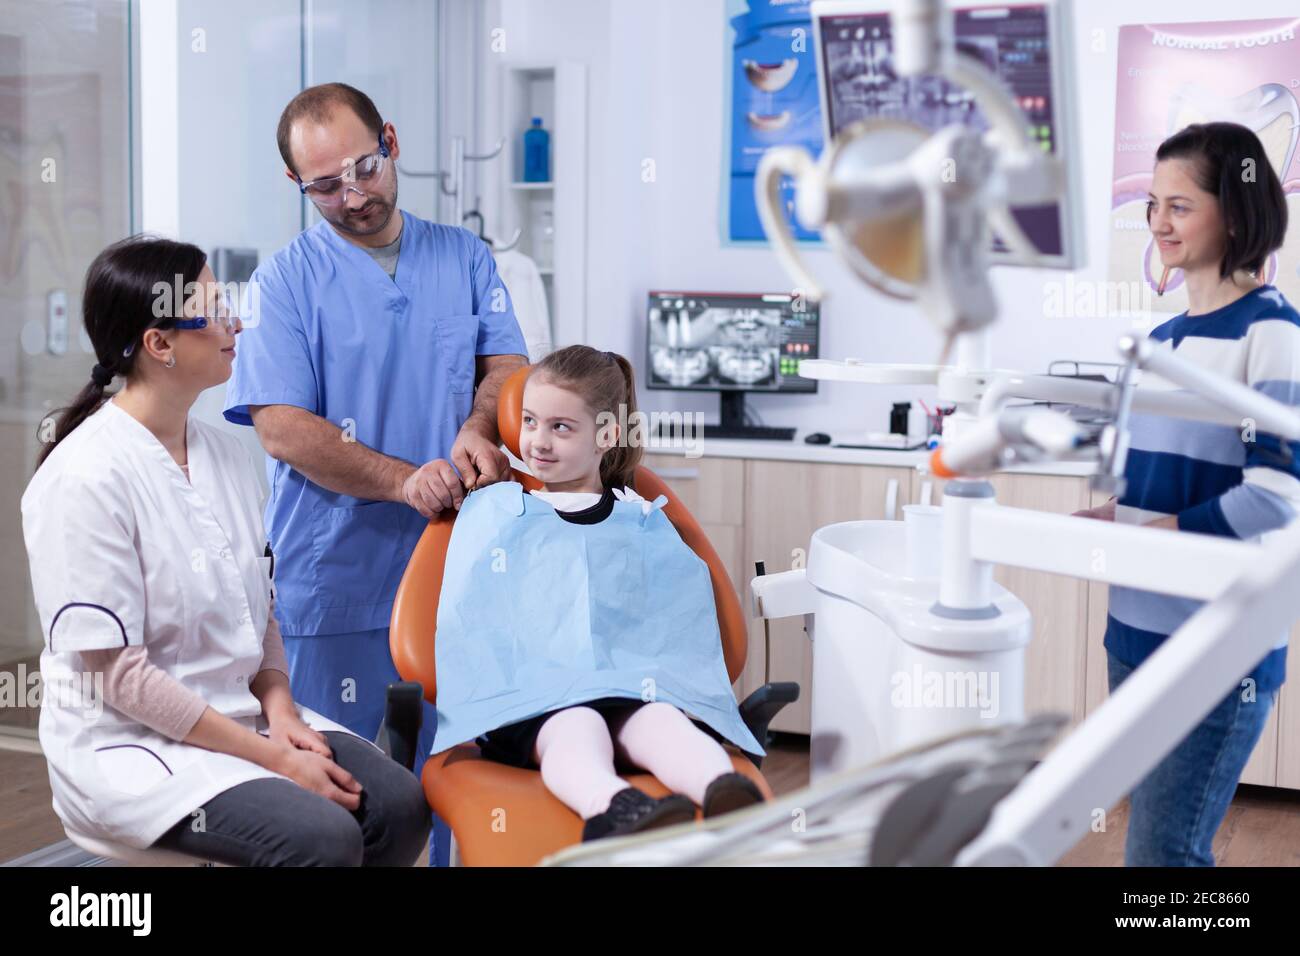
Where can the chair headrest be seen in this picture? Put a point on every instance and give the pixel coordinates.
(510, 408)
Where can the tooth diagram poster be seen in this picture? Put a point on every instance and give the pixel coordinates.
(1175, 74)
(774, 101)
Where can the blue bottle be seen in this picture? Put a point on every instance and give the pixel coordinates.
(537, 153)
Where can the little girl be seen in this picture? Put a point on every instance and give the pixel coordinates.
(560, 609)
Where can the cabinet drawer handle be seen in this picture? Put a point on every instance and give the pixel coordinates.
(677, 472)
(891, 499)
(927, 489)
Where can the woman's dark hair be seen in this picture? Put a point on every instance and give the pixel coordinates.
(122, 299)
(1229, 162)
(605, 381)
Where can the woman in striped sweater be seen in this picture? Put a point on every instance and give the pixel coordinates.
(1217, 212)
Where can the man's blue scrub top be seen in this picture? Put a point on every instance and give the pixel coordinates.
(388, 360)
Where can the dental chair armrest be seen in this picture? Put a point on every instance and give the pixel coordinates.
(403, 713)
(758, 709)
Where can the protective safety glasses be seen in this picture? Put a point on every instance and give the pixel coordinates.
(223, 319)
(333, 190)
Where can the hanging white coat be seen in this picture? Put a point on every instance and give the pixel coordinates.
(125, 551)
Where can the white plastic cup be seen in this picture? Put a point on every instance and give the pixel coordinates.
(924, 529)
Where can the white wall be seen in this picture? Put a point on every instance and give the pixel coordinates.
(657, 87)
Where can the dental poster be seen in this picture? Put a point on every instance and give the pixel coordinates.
(774, 101)
(1175, 74)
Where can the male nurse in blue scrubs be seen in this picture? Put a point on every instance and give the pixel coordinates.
(364, 343)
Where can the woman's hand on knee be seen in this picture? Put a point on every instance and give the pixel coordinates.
(321, 775)
(290, 731)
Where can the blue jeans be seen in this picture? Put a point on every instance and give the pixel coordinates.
(1176, 810)
(343, 677)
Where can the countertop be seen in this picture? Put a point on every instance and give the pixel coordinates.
(798, 450)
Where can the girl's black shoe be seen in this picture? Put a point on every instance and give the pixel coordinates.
(731, 791)
(632, 811)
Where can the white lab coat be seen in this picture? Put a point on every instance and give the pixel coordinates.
(124, 551)
(523, 281)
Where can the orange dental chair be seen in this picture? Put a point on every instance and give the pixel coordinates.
(502, 815)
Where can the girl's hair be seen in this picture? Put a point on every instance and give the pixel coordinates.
(1230, 163)
(118, 306)
(605, 381)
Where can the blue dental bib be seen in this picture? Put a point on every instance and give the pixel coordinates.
(538, 613)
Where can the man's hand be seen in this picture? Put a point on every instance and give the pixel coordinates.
(478, 459)
(476, 452)
(433, 487)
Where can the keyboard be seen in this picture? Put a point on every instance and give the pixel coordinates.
(747, 433)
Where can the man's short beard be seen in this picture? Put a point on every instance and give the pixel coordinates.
(342, 223)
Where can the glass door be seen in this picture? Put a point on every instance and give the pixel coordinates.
(66, 175)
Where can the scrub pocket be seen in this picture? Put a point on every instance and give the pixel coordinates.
(130, 768)
(355, 552)
(458, 347)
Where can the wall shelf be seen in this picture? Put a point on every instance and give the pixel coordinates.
(557, 92)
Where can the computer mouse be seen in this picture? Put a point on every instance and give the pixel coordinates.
(818, 438)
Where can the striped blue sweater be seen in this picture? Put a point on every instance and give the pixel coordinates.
(1218, 479)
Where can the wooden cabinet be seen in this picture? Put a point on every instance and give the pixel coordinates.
(712, 489)
(1056, 661)
(785, 502)
(1098, 686)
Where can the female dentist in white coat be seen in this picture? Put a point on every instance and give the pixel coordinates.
(167, 718)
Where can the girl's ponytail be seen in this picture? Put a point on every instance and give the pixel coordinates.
(620, 462)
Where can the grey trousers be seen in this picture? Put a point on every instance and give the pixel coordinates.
(275, 822)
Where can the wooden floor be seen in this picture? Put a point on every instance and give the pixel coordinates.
(27, 821)
(19, 672)
(1262, 827)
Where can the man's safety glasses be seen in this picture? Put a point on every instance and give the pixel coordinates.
(332, 190)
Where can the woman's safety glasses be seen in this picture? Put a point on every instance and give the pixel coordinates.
(223, 318)
(332, 190)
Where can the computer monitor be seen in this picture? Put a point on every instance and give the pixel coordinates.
(1022, 43)
(732, 343)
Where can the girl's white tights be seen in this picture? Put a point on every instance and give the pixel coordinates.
(575, 749)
